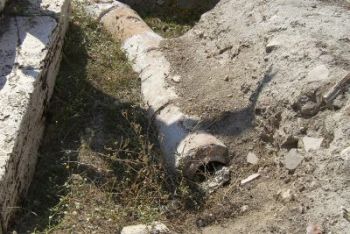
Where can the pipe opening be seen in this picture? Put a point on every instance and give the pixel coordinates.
(205, 171)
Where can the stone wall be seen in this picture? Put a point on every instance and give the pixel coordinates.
(30, 53)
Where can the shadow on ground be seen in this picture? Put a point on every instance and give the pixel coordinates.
(236, 122)
(179, 11)
(171, 18)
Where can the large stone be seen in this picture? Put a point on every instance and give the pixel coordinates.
(30, 52)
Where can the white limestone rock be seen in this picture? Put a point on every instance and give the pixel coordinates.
(252, 158)
(311, 143)
(292, 159)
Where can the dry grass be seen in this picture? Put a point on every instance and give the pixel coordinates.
(99, 166)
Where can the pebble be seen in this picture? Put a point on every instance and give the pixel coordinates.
(220, 178)
(309, 109)
(252, 158)
(311, 143)
(244, 208)
(285, 195)
(292, 159)
(176, 79)
(272, 45)
(314, 229)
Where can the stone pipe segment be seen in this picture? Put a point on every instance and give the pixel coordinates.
(184, 149)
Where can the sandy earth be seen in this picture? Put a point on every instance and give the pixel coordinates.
(255, 72)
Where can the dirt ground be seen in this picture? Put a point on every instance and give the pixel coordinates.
(255, 72)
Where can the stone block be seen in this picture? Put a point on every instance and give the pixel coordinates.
(30, 53)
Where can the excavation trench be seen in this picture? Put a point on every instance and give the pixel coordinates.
(184, 149)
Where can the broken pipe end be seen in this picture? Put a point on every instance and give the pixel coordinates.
(198, 150)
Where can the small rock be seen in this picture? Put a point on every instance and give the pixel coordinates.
(285, 195)
(339, 102)
(311, 143)
(292, 159)
(314, 229)
(309, 109)
(155, 227)
(272, 45)
(244, 208)
(220, 177)
(176, 79)
(252, 158)
(345, 152)
(318, 73)
(226, 78)
(250, 178)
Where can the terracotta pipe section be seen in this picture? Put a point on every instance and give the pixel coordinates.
(184, 148)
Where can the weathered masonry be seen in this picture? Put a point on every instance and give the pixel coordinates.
(30, 53)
